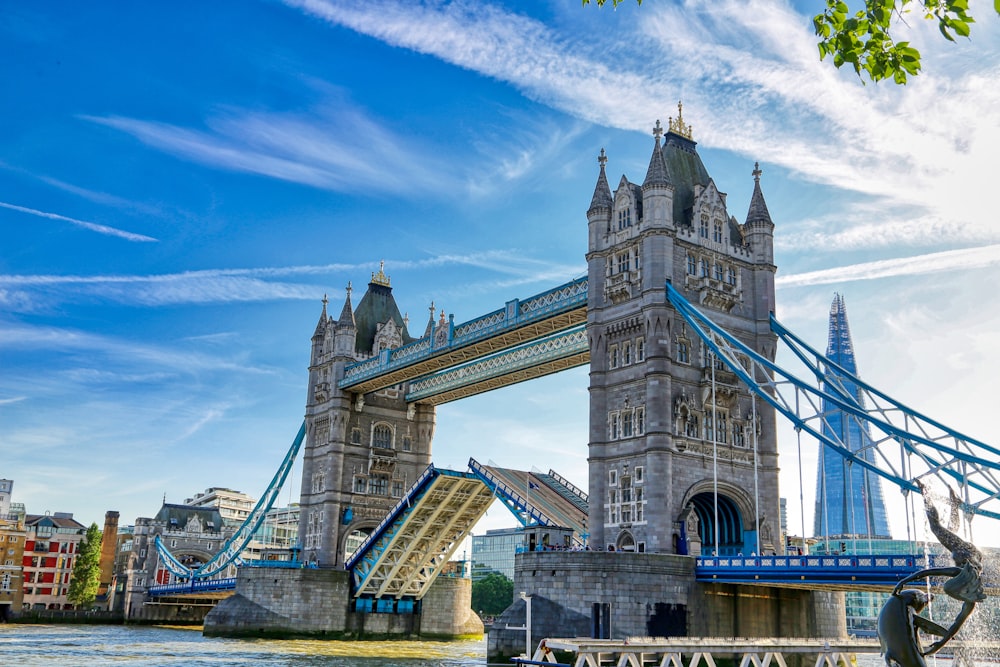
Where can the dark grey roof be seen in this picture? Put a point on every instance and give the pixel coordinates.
(686, 171)
(179, 515)
(758, 207)
(602, 191)
(377, 306)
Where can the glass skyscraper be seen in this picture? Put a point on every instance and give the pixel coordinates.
(849, 501)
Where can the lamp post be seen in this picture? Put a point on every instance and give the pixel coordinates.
(527, 624)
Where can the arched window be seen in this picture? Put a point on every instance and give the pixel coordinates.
(717, 231)
(382, 436)
(692, 265)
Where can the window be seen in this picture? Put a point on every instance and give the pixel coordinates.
(718, 272)
(613, 496)
(407, 443)
(640, 349)
(717, 231)
(692, 266)
(703, 228)
(613, 425)
(626, 353)
(624, 218)
(691, 427)
(683, 353)
(640, 427)
(721, 423)
(731, 276)
(378, 486)
(359, 484)
(623, 262)
(397, 488)
(738, 434)
(173, 543)
(356, 436)
(627, 424)
(382, 436)
(612, 478)
(613, 356)
(703, 268)
(709, 431)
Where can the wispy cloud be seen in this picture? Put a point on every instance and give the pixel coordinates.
(752, 80)
(91, 226)
(336, 147)
(949, 260)
(263, 283)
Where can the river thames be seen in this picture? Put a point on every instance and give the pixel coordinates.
(123, 646)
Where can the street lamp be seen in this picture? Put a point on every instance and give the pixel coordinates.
(527, 624)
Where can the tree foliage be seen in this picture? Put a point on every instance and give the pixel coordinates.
(862, 38)
(86, 577)
(492, 594)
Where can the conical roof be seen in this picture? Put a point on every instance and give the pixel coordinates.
(758, 207)
(657, 173)
(602, 191)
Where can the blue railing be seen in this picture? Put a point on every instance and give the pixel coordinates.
(193, 586)
(878, 569)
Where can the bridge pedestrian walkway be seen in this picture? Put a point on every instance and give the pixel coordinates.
(405, 553)
(518, 323)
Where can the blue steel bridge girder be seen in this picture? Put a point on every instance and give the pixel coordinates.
(905, 446)
(519, 322)
(554, 353)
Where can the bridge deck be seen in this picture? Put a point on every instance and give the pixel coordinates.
(406, 552)
(532, 498)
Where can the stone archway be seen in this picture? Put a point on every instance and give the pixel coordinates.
(625, 542)
(730, 524)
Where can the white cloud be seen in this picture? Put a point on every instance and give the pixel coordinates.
(949, 260)
(91, 226)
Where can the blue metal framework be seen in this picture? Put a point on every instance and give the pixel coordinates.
(511, 497)
(235, 545)
(871, 572)
(542, 314)
(905, 446)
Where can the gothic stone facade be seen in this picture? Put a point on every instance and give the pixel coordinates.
(362, 452)
(658, 430)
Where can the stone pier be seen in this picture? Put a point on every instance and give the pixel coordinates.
(616, 595)
(311, 602)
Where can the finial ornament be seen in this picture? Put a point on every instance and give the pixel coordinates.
(756, 172)
(325, 301)
(349, 289)
(602, 159)
(380, 278)
(679, 126)
(657, 130)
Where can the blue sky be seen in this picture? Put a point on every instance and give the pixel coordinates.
(179, 187)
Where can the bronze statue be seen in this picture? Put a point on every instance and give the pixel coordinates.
(899, 622)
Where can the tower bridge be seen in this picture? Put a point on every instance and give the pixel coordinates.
(675, 318)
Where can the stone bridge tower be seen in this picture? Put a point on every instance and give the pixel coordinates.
(362, 452)
(672, 451)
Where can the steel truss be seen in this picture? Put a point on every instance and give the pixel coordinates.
(902, 445)
(235, 545)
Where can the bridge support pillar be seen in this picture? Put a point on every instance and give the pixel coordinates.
(316, 603)
(615, 595)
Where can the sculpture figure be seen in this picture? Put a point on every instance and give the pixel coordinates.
(899, 622)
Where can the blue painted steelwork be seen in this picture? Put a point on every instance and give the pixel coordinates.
(364, 554)
(516, 313)
(193, 586)
(235, 545)
(841, 571)
(511, 497)
(973, 464)
(557, 346)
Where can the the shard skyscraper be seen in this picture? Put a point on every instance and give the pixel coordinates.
(849, 499)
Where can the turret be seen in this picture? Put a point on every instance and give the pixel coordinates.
(758, 229)
(599, 213)
(658, 188)
(347, 331)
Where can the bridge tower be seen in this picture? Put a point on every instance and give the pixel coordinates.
(673, 464)
(362, 451)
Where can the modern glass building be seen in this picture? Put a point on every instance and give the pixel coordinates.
(849, 500)
(494, 552)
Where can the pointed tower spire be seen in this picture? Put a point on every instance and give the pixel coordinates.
(323, 320)
(658, 172)
(430, 322)
(347, 314)
(758, 208)
(602, 191)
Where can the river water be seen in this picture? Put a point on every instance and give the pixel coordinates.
(127, 646)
